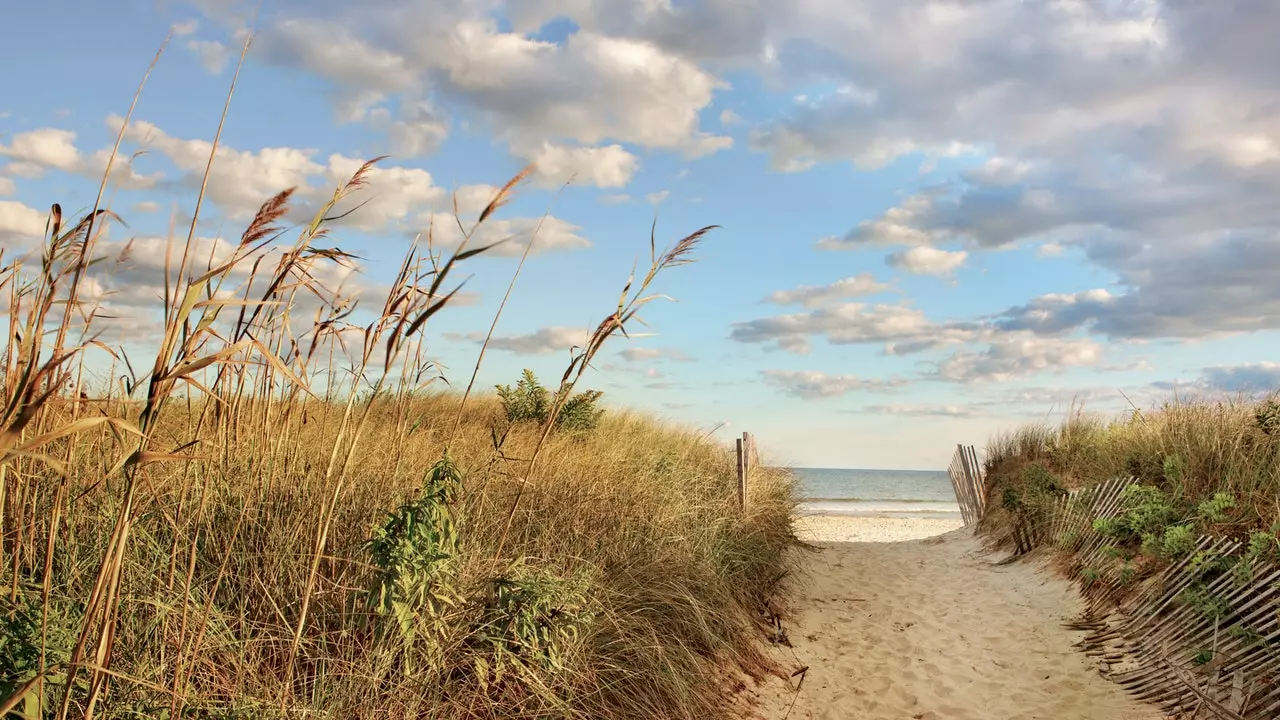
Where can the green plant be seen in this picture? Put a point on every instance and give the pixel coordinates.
(530, 619)
(1211, 606)
(27, 647)
(415, 553)
(1214, 510)
(530, 402)
(1178, 540)
(580, 412)
(1267, 416)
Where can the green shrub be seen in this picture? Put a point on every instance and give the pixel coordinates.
(529, 401)
(1267, 416)
(415, 554)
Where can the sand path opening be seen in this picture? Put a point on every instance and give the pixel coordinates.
(933, 629)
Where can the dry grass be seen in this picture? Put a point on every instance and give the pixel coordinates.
(278, 515)
(1190, 451)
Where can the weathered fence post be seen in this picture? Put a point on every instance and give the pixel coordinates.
(966, 481)
(745, 448)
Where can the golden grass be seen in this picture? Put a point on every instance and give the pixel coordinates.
(276, 515)
(1189, 450)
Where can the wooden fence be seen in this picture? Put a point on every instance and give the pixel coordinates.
(747, 459)
(967, 482)
(1196, 638)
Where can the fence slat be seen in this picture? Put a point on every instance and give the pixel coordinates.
(1151, 630)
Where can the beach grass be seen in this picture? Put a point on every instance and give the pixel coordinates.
(279, 512)
(1201, 466)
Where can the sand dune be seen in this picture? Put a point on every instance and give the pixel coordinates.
(932, 629)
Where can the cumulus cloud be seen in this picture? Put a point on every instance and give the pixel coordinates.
(32, 152)
(1253, 377)
(566, 104)
(21, 227)
(638, 354)
(213, 55)
(927, 261)
(547, 235)
(983, 350)
(656, 198)
(952, 411)
(813, 385)
(609, 166)
(811, 296)
(848, 324)
(1019, 355)
(542, 341)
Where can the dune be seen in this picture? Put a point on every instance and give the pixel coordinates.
(933, 629)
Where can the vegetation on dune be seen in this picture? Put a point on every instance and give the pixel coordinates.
(1211, 465)
(278, 516)
(1200, 468)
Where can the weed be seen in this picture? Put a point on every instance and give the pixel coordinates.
(529, 401)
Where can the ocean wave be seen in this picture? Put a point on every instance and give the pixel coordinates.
(881, 508)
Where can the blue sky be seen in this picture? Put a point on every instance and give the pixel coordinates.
(938, 219)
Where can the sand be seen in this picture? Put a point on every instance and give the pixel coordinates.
(933, 630)
(825, 528)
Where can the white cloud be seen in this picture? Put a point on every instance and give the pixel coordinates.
(1019, 355)
(185, 28)
(615, 199)
(729, 118)
(952, 411)
(927, 261)
(589, 91)
(6, 186)
(1253, 377)
(813, 385)
(419, 131)
(20, 226)
(609, 166)
(146, 206)
(811, 296)
(638, 354)
(656, 198)
(554, 235)
(213, 55)
(44, 148)
(542, 341)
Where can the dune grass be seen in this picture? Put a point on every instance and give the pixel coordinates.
(1202, 467)
(278, 514)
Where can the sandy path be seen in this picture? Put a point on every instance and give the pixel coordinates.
(931, 629)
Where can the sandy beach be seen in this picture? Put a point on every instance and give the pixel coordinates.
(904, 628)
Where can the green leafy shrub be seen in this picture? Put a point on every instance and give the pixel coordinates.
(1214, 510)
(580, 412)
(20, 643)
(1267, 416)
(414, 553)
(529, 401)
(530, 619)
(1178, 540)
(1210, 606)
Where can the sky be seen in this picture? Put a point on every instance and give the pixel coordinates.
(937, 220)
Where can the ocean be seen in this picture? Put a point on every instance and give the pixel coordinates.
(877, 493)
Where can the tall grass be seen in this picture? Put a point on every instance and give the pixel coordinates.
(278, 515)
(1197, 455)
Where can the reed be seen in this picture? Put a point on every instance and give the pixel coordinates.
(281, 514)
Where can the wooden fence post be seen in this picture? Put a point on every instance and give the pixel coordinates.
(743, 462)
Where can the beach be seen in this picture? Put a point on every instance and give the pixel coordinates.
(890, 624)
(847, 529)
